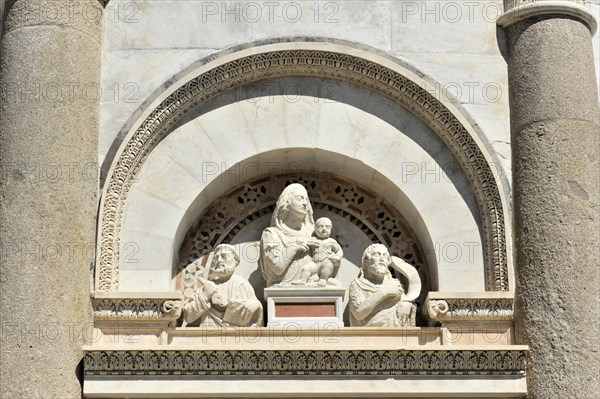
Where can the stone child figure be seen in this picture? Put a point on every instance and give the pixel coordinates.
(326, 256)
(224, 299)
(376, 298)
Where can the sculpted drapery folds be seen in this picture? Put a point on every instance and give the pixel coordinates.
(284, 246)
(224, 299)
(376, 298)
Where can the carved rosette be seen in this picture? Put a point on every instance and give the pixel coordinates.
(297, 62)
(297, 362)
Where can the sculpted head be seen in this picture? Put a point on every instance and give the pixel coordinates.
(323, 227)
(293, 202)
(375, 261)
(225, 260)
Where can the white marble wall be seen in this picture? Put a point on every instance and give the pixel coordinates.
(366, 136)
(146, 42)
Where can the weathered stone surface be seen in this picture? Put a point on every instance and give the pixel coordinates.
(556, 215)
(455, 44)
(49, 81)
(555, 133)
(509, 4)
(553, 77)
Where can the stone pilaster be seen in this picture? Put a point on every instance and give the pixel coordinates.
(555, 139)
(49, 97)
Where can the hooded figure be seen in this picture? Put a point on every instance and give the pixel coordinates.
(283, 246)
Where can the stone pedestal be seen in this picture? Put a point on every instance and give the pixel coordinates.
(555, 133)
(305, 307)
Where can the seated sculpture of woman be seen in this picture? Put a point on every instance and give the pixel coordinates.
(284, 247)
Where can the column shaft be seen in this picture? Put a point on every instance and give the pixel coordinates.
(49, 97)
(555, 124)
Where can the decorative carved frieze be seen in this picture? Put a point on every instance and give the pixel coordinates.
(136, 309)
(303, 362)
(469, 309)
(298, 62)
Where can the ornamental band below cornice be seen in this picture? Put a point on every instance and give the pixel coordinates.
(141, 309)
(298, 362)
(469, 309)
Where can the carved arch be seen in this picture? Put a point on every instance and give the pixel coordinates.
(359, 67)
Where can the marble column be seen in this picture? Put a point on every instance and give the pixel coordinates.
(555, 129)
(49, 96)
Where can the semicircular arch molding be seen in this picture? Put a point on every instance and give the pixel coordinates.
(338, 62)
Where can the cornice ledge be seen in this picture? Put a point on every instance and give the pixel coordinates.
(561, 7)
(469, 306)
(136, 306)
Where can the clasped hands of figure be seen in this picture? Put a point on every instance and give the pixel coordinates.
(309, 245)
(210, 292)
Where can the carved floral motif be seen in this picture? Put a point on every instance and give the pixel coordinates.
(298, 362)
(136, 309)
(475, 309)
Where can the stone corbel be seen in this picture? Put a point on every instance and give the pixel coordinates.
(137, 306)
(125, 318)
(469, 306)
(472, 317)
